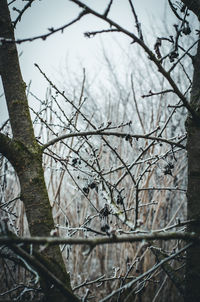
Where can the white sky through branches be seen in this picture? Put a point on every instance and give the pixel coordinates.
(72, 46)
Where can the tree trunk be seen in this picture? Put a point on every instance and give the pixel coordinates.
(192, 284)
(192, 292)
(25, 155)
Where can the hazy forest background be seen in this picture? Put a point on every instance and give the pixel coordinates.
(115, 163)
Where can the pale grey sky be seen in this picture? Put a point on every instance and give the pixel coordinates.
(51, 54)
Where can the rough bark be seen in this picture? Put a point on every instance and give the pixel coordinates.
(25, 155)
(192, 292)
(192, 289)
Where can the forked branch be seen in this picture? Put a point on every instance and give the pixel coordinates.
(150, 54)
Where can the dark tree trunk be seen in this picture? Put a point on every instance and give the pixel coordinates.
(192, 284)
(193, 192)
(25, 155)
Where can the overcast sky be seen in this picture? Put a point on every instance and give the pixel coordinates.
(72, 45)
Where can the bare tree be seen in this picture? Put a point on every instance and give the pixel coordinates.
(24, 153)
(114, 173)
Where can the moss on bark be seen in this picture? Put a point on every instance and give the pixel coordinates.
(25, 155)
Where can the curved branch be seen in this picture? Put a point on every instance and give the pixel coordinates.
(151, 55)
(128, 136)
(43, 36)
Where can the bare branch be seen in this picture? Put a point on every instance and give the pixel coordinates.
(138, 25)
(41, 268)
(22, 12)
(151, 55)
(108, 8)
(100, 240)
(5, 204)
(194, 6)
(185, 53)
(8, 148)
(109, 133)
(175, 11)
(4, 124)
(164, 188)
(151, 270)
(136, 105)
(93, 33)
(44, 36)
(156, 93)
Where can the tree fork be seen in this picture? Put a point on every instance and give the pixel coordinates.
(28, 156)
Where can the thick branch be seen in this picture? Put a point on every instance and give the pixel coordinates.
(28, 158)
(14, 87)
(45, 272)
(100, 240)
(193, 191)
(7, 148)
(113, 133)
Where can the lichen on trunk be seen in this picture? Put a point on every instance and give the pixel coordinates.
(25, 155)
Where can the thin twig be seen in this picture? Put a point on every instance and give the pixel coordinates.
(151, 55)
(18, 19)
(45, 36)
(151, 270)
(138, 25)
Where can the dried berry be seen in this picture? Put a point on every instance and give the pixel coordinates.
(74, 161)
(105, 211)
(92, 185)
(105, 228)
(168, 169)
(157, 48)
(171, 166)
(186, 30)
(173, 55)
(86, 190)
(127, 137)
(119, 199)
